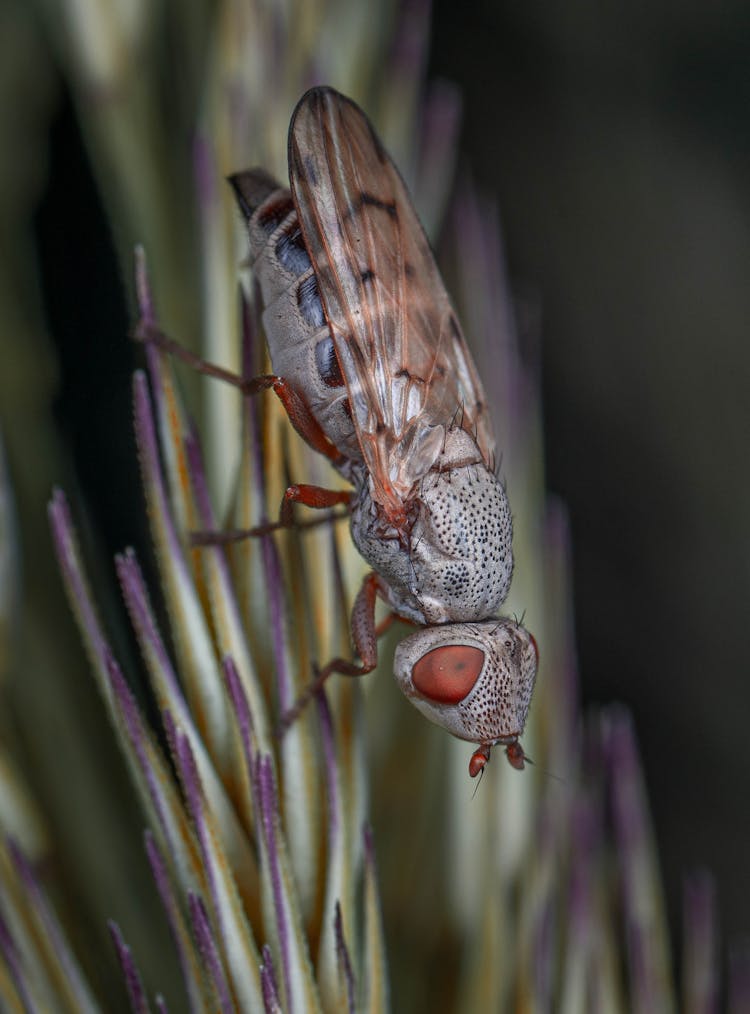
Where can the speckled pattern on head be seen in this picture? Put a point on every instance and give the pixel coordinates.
(496, 707)
(499, 703)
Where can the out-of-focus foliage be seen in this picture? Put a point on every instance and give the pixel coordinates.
(257, 888)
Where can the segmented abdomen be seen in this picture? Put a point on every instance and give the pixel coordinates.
(299, 341)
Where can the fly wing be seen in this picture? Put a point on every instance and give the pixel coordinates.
(407, 368)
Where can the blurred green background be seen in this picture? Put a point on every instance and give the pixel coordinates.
(616, 139)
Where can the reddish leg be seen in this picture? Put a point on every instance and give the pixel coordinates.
(310, 496)
(299, 416)
(387, 622)
(365, 637)
(230, 535)
(296, 408)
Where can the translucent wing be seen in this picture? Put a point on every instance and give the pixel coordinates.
(404, 359)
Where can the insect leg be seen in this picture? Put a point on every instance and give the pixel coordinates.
(316, 497)
(301, 417)
(294, 404)
(239, 534)
(310, 496)
(387, 622)
(364, 635)
(148, 334)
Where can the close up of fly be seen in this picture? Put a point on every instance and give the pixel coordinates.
(371, 365)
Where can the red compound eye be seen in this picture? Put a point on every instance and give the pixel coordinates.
(448, 673)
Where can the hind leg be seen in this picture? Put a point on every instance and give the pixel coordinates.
(299, 415)
(294, 404)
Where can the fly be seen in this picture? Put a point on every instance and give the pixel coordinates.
(372, 367)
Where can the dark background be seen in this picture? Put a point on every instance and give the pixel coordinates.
(616, 137)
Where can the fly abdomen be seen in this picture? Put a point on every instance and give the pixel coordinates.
(327, 363)
(252, 188)
(299, 340)
(308, 301)
(290, 249)
(277, 250)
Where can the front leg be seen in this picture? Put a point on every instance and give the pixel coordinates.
(365, 637)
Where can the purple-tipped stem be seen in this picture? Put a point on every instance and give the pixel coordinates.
(200, 486)
(53, 932)
(64, 538)
(143, 620)
(136, 993)
(171, 908)
(331, 770)
(368, 842)
(649, 981)
(276, 609)
(12, 958)
(271, 1000)
(409, 53)
(242, 712)
(193, 790)
(271, 562)
(584, 819)
(209, 950)
(148, 447)
(344, 960)
(267, 797)
(700, 977)
(135, 731)
(143, 289)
